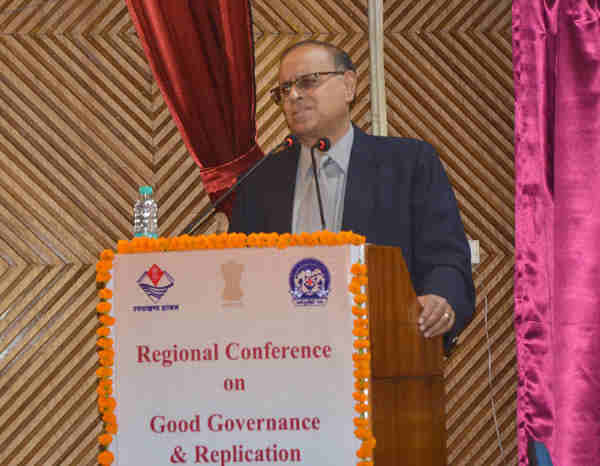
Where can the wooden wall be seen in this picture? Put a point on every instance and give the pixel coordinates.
(82, 124)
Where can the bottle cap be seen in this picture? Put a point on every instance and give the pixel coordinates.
(145, 189)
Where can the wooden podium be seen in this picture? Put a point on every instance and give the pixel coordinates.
(407, 387)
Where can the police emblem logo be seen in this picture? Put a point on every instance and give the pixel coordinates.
(309, 283)
(155, 282)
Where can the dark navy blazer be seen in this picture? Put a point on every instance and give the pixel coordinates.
(397, 194)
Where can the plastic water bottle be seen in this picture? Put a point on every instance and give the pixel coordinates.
(145, 214)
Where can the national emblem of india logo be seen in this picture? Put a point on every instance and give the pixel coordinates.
(309, 283)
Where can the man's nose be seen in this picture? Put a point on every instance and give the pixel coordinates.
(294, 93)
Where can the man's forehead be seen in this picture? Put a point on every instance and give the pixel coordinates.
(305, 59)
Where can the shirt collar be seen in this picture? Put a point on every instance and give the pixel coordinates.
(339, 153)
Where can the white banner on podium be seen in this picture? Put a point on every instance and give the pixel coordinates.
(236, 356)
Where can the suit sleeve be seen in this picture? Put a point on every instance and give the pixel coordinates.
(441, 252)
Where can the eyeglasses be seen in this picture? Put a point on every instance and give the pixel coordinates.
(306, 82)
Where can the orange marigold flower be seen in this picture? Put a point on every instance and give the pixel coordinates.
(252, 240)
(361, 422)
(105, 383)
(106, 353)
(142, 245)
(103, 307)
(345, 236)
(104, 372)
(221, 241)
(354, 288)
(359, 311)
(105, 342)
(154, 244)
(103, 331)
(362, 434)
(186, 242)
(103, 277)
(364, 451)
(361, 344)
(200, 242)
(109, 402)
(293, 240)
(106, 361)
(105, 408)
(360, 332)
(282, 243)
(304, 239)
(357, 239)
(163, 243)
(104, 391)
(363, 280)
(107, 320)
(364, 463)
(319, 237)
(111, 428)
(103, 266)
(106, 458)
(356, 279)
(361, 356)
(109, 418)
(362, 373)
(311, 239)
(123, 246)
(361, 323)
(361, 408)
(211, 241)
(241, 239)
(173, 244)
(361, 385)
(360, 298)
(362, 365)
(355, 269)
(359, 396)
(105, 439)
(272, 240)
(107, 255)
(105, 293)
(262, 240)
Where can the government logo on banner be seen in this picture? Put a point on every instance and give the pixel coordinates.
(155, 282)
(309, 283)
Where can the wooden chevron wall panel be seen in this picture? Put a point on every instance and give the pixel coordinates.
(83, 124)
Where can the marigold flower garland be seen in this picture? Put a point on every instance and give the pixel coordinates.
(362, 364)
(361, 358)
(106, 354)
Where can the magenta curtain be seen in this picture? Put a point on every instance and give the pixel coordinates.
(201, 53)
(556, 47)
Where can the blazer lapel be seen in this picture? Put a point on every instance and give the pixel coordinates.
(359, 200)
(283, 179)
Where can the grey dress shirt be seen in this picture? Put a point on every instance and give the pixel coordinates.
(332, 173)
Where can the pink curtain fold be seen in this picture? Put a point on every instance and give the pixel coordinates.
(202, 57)
(556, 55)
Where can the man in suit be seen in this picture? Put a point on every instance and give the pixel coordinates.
(394, 191)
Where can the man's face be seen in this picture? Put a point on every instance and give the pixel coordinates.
(322, 111)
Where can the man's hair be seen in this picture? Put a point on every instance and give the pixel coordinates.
(341, 59)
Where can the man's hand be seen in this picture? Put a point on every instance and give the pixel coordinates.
(437, 316)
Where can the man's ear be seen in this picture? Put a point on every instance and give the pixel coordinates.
(350, 85)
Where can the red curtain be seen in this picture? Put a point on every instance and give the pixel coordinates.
(201, 53)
